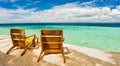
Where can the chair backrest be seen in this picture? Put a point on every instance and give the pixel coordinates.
(52, 40)
(18, 37)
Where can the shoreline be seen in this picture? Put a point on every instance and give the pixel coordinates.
(95, 54)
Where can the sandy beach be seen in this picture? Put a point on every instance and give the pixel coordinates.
(76, 56)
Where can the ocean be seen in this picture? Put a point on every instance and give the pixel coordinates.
(103, 36)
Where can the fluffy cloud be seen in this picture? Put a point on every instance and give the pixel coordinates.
(8, 1)
(71, 12)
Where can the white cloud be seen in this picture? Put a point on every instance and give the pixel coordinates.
(88, 3)
(71, 12)
(7, 15)
(118, 8)
(33, 2)
(12, 1)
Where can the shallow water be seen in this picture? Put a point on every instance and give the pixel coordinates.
(104, 38)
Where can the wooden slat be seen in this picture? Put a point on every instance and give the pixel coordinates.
(53, 50)
(51, 32)
(19, 42)
(51, 39)
(51, 46)
(52, 42)
(20, 31)
(18, 36)
(51, 36)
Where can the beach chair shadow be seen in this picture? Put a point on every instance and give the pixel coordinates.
(20, 40)
(51, 42)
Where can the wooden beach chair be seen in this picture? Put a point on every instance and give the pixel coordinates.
(51, 42)
(20, 40)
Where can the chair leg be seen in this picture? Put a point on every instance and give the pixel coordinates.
(10, 49)
(24, 51)
(40, 56)
(63, 57)
(34, 42)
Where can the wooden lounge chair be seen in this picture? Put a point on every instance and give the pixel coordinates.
(20, 40)
(51, 42)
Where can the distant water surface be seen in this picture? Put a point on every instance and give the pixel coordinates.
(103, 37)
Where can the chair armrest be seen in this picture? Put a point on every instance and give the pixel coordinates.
(36, 39)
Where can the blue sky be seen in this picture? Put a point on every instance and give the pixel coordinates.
(30, 11)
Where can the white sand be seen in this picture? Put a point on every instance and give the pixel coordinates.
(92, 52)
(78, 56)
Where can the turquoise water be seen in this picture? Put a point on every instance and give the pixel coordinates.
(103, 38)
